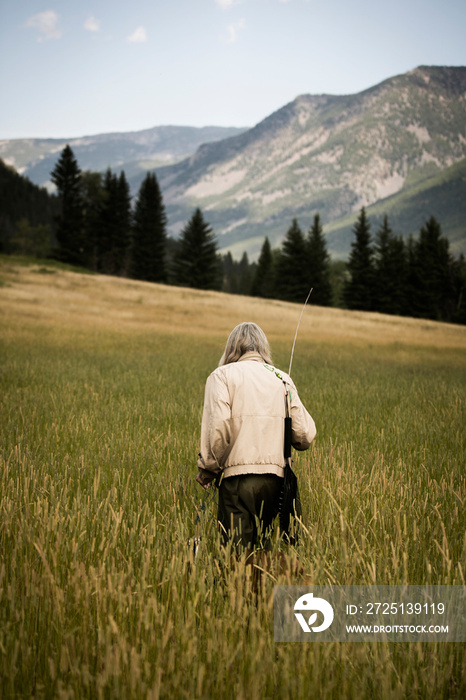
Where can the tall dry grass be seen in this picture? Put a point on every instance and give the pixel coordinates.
(101, 396)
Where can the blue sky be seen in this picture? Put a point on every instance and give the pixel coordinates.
(69, 68)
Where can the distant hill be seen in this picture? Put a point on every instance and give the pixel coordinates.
(394, 144)
(135, 152)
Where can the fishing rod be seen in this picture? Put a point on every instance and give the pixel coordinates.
(297, 329)
(289, 503)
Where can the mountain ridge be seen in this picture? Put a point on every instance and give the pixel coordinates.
(35, 158)
(329, 154)
(326, 154)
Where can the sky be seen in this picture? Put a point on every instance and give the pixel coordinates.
(70, 68)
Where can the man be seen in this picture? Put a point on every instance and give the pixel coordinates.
(242, 436)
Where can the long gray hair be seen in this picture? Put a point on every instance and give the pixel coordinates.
(246, 337)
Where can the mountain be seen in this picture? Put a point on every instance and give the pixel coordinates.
(397, 148)
(333, 154)
(135, 152)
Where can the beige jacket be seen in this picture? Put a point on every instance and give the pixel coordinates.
(242, 428)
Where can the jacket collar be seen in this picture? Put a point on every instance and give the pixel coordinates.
(251, 355)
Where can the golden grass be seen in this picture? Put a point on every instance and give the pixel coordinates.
(52, 295)
(101, 396)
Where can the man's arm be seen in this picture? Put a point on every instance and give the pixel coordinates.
(215, 429)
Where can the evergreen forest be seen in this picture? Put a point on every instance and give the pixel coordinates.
(91, 222)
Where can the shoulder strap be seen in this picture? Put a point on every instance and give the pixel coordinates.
(287, 444)
(288, 425)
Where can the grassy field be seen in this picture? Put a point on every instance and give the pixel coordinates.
(102, 384)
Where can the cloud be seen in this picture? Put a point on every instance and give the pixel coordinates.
(139, 36)
(46, 24)
(232, 31)
(225, 4)
(92, 24)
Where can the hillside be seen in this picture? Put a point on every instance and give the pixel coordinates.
(50, 294)
(443, 196)
(21, 199)
(327, 154)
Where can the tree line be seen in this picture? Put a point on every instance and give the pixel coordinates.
(92, 223)
(99, 229)
(418, 277)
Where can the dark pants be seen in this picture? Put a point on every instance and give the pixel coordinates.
(247, 507)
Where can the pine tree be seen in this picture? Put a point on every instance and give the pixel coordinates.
(263, 281)
(318, 265)
(459, 271)
(244, 275)
(122, 233)
(93, 204)
(338, 276)
(391, 271)
(292, 276)
(149, 233)
(196, 263)
(229, 274)
(359, 288)
(432, 274)
(409, 309)
(236, 274)
(114, 235)
(107, 224)
(72, 245)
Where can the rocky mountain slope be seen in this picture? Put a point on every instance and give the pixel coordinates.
(327, 154)
(442, 195)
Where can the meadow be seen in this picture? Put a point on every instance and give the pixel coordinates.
(102, 383)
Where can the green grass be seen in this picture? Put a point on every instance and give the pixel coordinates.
(99, 596)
